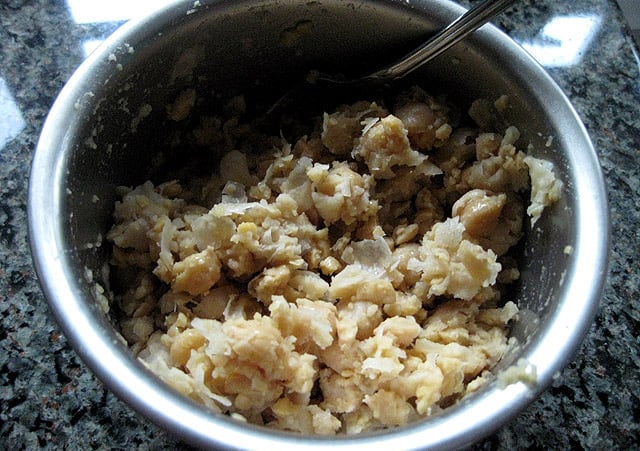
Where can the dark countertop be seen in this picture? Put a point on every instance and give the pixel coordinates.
(48, 398)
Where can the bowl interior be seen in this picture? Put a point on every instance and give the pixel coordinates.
(109, 127)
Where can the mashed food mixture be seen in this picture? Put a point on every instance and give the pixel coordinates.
(346, 282)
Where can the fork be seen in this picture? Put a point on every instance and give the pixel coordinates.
(319, 82)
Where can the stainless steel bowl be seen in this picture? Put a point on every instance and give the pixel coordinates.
(106, 127)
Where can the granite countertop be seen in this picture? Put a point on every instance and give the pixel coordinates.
(48, 397)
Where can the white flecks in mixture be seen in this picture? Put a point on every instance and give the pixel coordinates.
(143, 112)
(90, 143)
(546, 188)
(522, 371)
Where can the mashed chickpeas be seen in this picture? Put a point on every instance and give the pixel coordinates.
(346, 282)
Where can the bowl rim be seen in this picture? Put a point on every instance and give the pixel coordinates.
(99, 348)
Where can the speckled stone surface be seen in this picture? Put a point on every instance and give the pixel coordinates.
(49, 399)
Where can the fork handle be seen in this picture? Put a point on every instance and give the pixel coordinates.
(454, 32)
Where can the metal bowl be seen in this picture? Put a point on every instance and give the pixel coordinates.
(108, 125)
